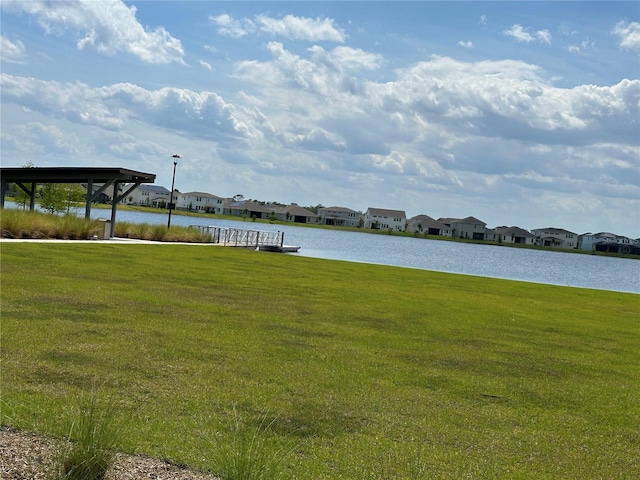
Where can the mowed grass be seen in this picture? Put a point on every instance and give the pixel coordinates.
(362, 371)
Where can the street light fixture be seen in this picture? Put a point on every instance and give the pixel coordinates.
(173, 180)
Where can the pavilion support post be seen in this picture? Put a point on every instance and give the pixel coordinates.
(114, 205)
(3, 192)
(32, 198)
(87, 207)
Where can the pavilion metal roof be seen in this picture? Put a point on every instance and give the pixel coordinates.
(74, 175)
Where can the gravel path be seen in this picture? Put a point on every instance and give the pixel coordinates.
(25, 456)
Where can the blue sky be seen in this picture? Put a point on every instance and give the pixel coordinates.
(518, 113)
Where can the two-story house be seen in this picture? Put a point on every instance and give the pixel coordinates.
(340, 217)
(555, 237)
(469, 227)
(199, 202)
(149, 196)
(383, 219)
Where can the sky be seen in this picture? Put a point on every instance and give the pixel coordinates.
(517, 113)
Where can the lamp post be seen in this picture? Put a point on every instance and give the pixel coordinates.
(173, 180)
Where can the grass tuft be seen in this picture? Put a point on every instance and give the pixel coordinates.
(93, 436)
(249, 454)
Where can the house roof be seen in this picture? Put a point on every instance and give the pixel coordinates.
(467, 220)
(153, 188)
(386, 213)
(202, 194)
(251, 206)
(514, 231)
(338, 209)
(294, 209)
(427, 221)
(553, 230)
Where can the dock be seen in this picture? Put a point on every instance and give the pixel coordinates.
(246, 238)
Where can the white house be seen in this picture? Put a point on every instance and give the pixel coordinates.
(149, 196)
(340, 216)
(199, 202)
(427, 225)
(382, 219)
(469, 227)
(555, 237)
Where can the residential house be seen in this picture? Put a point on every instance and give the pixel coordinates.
(340, 217)
(249, 208)
(555, 237)
(469, 227)
(295, 213)
(106, 193)
(597, 241)
(382, 219)
(200, 202)
(149, 196)
(515, 235)
(427, 225)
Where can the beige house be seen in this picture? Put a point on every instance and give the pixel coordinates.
(427, 225)
(514, 235)
(469, 227)
(295, 213)
(340, 216)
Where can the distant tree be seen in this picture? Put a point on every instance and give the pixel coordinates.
(74, 196)
(52, 197)
(61, 197)
(238, 198)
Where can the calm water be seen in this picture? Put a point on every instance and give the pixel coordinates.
(556, 268)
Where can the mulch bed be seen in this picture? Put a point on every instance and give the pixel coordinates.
(27, 456)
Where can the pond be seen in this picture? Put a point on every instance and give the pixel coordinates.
(540, 266)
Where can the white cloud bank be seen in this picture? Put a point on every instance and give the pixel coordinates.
(107, 26)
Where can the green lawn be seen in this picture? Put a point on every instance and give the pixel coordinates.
(367, 371)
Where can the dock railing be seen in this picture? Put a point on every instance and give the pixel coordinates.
(240, 237)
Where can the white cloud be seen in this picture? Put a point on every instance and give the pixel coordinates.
(12, 52)
(467, 44)
(230, 27)
(521, 34)
(205, 65)
(302, 28)
(204, 114)
(108, 26)
(290, 26)
(629, 34)
(544, 36)
(483, 20)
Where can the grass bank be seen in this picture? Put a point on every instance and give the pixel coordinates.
(367, 371)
